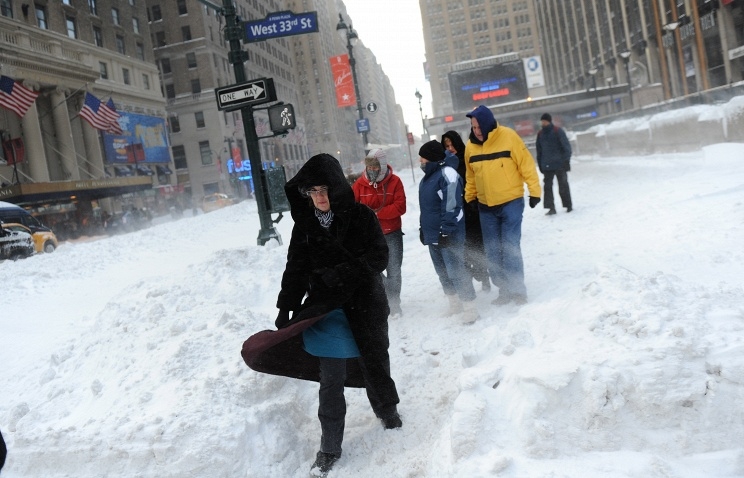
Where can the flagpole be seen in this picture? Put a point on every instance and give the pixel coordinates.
(65, 100)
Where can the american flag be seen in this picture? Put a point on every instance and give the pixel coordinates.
(99, 115)
(114, 127)
(15, 96)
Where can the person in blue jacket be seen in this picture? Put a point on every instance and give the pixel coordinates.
(554, 160)
(442, 226)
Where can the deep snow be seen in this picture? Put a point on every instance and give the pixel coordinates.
(121, 356)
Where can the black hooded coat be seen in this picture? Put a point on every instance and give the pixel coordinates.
(355, 248)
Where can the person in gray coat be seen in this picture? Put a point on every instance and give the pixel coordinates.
(554, 160)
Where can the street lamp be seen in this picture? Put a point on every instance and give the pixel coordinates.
(625, 55)
(421, 112)
(594, 72)
(350, 35)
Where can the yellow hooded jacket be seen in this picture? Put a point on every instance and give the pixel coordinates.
(497, 169)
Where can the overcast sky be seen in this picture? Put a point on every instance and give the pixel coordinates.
(396, 38)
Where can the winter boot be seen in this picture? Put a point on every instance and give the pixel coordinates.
(550, 212)
(455, 306)
(323, 463)
(393, 421)
(469, 313)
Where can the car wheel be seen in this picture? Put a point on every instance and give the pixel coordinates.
(49, 247)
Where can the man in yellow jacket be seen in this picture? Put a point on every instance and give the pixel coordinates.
(498, 164)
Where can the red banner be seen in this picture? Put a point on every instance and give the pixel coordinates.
(343, 80)
(14, 150)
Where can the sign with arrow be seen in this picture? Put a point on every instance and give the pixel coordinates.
(254, 92)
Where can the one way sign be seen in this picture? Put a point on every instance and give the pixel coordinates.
(254, 92)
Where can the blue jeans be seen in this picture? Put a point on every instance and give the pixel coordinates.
(449, 263)
(502, 234)
(392, 278)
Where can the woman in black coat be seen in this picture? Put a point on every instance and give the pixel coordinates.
(334, 262)
(475, 253)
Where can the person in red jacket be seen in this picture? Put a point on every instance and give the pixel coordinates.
(380, 189)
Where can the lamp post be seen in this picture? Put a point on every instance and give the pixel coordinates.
(594, 72)
(609, 81)
(350, 35)
(625, 55)
(672, 27)
(421, 112)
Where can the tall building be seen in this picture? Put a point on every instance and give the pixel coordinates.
(458, 32)
(662, 48)
(209, 147)
(63, 50)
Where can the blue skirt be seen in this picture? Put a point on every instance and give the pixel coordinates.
(331, 337)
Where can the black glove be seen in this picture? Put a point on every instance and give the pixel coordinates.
(567, 165)
(282, 318)
(472, 206)
(534, 201)
(421, 236)
(444, 240)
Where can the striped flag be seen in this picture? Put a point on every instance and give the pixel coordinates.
(99, 115)
(114, 127)
(15, 96)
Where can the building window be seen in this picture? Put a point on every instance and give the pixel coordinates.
(195, 86)
(125, 75)
(205, 152)
(186, 33)
(41, 17)
(140, 51)
(146, 81)
(199, 117)
(131, 2)
(170, 91)
(179, 157)
(6, 8)
(175, 124)
(71, 28)
(182, 7)
(120, 44)
(165, 66)
(93, 7)
(156, 14)
(135, 25)
(97, 36)
(66, 2)
(103, 69)
(160, 38)
(115, 16)
(191, 59)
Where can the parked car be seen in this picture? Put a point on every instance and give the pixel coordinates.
(14, 244)
(216, 201)
(44, 241)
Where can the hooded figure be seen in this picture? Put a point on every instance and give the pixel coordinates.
(382, 190)
(334, 260)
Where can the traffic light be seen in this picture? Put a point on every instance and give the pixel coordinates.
(281, 118)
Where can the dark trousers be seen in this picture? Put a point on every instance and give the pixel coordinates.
(563, 190)
(393, 278)
(332, 403)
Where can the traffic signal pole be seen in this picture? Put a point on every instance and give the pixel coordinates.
(234, 34)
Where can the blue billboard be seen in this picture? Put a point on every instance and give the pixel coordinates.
(145, 140)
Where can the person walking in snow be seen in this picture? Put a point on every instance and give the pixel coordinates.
(442, 227)
(554, 160)
(335, 259)
(3, 451)
(380, 189)
(476, 263)
(498, 165)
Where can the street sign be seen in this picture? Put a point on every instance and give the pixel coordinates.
(281, 118)
(362, 125)
(281, 24)
(372, 107)
(254, 92)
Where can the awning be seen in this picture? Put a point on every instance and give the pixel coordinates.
(89, 189)
(123, 171)
(144, 171)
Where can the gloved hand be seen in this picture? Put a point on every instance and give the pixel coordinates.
(472, 206)
(282, 318)
(534, 201)
(444, 240)
(329, 276)
(421, 235)
(567, 165)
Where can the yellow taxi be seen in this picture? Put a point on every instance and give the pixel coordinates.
(44, 241)
(216, 201)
